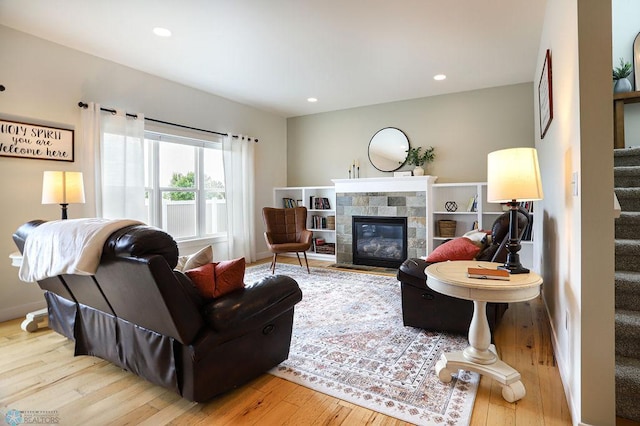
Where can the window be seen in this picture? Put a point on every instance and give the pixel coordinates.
(184, 184)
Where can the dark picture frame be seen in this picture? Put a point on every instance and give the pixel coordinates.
(35, 141)
(545, 95)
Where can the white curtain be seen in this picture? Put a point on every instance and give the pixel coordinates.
(90, 119)
(238, 157)
(117, 142)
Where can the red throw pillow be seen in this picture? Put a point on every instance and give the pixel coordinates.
(457, 249)
(229, 276)
(203, 278)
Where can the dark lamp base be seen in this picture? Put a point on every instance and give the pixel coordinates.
(512, 263)
(514, 269)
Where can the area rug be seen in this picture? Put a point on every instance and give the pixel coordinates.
(349, 342)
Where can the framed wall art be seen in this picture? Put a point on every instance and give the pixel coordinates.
(24, 140)
(545, 95)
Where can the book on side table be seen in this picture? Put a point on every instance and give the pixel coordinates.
(488, 274)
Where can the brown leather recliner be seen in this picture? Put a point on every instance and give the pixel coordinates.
(287, 232)
(425, 308)
(140, 314)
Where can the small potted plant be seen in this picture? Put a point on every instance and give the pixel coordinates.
(416, 157)
(620, 75)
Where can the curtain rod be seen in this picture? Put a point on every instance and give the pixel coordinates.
(113, 111)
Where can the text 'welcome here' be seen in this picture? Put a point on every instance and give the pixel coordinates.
(31, 141)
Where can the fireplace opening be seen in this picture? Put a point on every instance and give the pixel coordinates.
(379, 241)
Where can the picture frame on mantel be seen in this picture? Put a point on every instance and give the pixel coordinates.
(545, 95)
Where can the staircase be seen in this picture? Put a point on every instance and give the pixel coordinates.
(627, 282)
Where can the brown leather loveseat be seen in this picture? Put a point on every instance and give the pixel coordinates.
(142, 315)
(425, 308)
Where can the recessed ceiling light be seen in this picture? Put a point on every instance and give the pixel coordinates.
(161, 32)
(312, 100)
(439, 77)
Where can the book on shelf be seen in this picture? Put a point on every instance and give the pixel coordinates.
(527, 234)
(488, 274)
(318, 222)
(472, 206)
(331, 222)
(288, 203)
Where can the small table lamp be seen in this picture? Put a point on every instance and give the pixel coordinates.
(513, 174)
(62, 188)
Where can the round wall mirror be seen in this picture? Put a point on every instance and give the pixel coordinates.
(388, 149)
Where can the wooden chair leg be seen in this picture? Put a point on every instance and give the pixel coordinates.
(273, 263)
(306, 261)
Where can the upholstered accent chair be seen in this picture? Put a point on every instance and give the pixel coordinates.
(286, 232)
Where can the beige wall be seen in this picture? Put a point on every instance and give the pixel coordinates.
(463, 127)
(44, 83)
(578, 274)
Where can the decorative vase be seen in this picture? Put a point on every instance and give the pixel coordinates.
(622, 85)
(418, 171)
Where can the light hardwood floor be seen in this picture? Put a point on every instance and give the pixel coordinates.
(38, 372)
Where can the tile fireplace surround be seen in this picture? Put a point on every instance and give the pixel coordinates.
(397, 197)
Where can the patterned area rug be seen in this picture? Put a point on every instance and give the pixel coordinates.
(349, 342)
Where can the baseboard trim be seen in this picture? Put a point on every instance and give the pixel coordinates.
(562, 368)
(21, 310)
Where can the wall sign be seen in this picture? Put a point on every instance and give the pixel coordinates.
(545, 96)
(25, 140)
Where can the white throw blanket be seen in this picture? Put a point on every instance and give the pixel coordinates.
(71, 246)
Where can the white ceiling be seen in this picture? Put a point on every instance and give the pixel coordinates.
(274, 54)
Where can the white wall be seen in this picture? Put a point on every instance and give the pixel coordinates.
(463, 127)
(578, 274)
(45, 81)
(626, 27)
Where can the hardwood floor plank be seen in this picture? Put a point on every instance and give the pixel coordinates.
(337, 416)
(168, 414)
(319, 406)
(39, 372)
(358, 416)
(481, 405)
(281, 412)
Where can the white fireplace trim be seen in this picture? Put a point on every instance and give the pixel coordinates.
(385, 184)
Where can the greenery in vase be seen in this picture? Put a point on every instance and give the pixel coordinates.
(415, 157)
(622, 71)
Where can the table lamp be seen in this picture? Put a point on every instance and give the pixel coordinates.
(62, 188)
(513, 175)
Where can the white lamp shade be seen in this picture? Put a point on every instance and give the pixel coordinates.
(513, 174)
(62, 188)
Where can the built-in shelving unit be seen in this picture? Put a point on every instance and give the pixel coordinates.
(320, 219)
(467, 195)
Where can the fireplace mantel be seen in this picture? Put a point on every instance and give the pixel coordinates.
(384, 184)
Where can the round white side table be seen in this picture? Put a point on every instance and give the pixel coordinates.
(450, 278)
